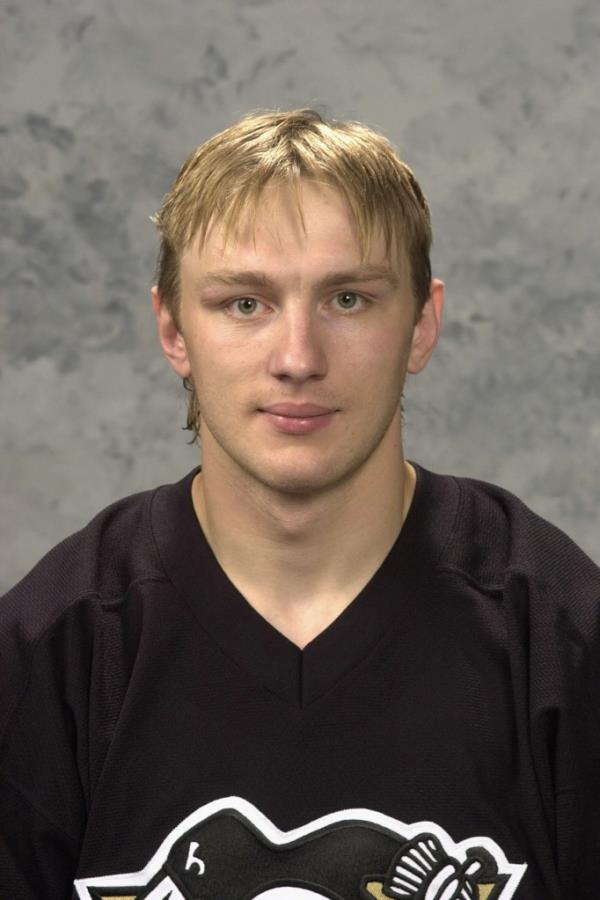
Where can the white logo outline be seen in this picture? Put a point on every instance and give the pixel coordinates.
(405, 831)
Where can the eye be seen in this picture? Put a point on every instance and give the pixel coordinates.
(244, 305)
(348, 299)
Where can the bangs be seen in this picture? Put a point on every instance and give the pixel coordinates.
(236, 215)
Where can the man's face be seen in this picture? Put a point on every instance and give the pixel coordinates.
(283, 315)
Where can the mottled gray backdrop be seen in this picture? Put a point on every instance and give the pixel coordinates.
(494, 104)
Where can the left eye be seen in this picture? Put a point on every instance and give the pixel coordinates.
(348, 299)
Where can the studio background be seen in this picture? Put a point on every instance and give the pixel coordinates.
(494, 105)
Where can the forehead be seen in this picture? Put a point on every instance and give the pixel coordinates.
(312, 218)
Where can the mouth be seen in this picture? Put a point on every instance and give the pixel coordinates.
(299, 423)
(298, 410)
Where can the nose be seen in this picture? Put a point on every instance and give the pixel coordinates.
(297, 350)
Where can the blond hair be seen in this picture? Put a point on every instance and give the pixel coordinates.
(223, 179)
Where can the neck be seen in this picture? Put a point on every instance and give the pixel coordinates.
(299, 560)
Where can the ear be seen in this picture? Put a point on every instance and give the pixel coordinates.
(427, 330)
(170, 337)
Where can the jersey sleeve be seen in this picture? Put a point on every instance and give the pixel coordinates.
(554, 628)
(48, 666)
(37, 859)
(576, 739)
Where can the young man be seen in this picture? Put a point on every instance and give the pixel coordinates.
(309, 669)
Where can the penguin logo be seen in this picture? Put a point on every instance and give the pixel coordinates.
(229, 849)
(422, 870)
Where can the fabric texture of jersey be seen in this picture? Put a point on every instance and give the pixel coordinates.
(440, 739)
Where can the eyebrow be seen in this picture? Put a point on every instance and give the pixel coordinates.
(330, 279)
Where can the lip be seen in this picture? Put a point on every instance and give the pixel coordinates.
(297, 410)
(299, 424)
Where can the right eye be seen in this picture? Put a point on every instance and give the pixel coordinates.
(245, 306)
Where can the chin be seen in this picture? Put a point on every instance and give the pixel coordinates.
(304, 477)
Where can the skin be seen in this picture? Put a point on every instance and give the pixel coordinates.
(299, 523)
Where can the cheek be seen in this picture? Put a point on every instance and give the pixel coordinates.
(225, 375)
(386, 358)
(217, 360)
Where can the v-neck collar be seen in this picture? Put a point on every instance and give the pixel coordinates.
(264, 654)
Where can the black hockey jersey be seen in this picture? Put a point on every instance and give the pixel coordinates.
(440, 740)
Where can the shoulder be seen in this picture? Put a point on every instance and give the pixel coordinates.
(494, 534)
(529, 540)
(498, 549)
(102, 560)
(59, 610)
